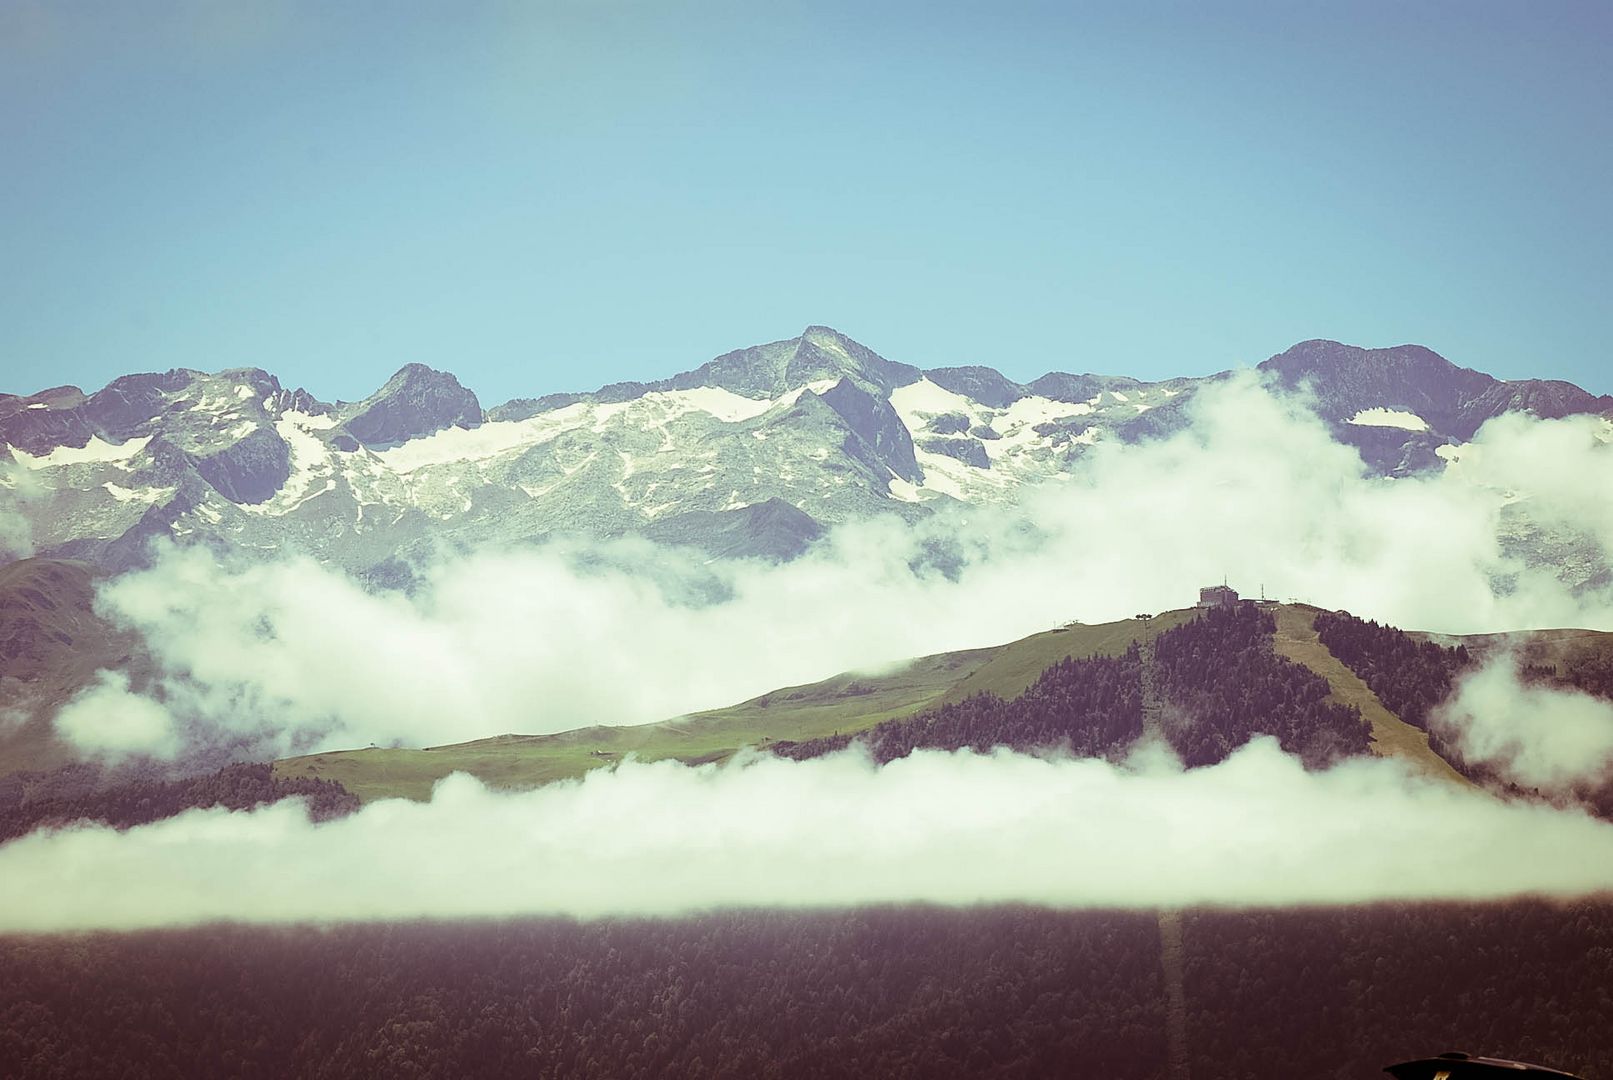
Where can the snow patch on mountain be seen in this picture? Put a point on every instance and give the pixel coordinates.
(977, 453)
(95, 452)
(922, 402)
(652, 411)
(313, 465)
(138, 495)
(1389, 418)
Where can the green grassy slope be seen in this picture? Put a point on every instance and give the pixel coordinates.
(1297, 640)
(854, 702)
(845, 703)
(1012, 668)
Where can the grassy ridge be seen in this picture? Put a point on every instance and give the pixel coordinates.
(1012, 668)
(52, 644)
(852, 702)
(848, 702)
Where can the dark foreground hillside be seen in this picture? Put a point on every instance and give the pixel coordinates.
(77, 793)
(890, 993)
(1341, 992)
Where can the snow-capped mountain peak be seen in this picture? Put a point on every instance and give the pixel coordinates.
(817, 424)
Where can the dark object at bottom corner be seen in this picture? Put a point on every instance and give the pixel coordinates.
(1456, 1066)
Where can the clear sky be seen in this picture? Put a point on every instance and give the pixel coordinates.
(553, 195)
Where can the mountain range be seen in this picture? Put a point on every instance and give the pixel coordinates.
(753, 453)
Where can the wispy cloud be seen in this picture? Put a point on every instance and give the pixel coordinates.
(18, 488)
(1539, 736)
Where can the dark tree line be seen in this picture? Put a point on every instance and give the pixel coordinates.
(1090, 707)
(1343, 992)
(1590, 671)
(1224, 685)
(914, 992)
(30, 801)
(1217, 677)
(1409, 676)
(1005, 992)
(1586, 669)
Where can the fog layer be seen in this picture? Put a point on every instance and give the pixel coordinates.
(949, 828)
(1538, 736)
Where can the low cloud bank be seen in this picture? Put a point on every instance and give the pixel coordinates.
(1538, 736)
(297, 656)
(107, 720)
(948, 828)
(18, 488)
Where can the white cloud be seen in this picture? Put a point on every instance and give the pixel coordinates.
(18, 488)
(1536, 735)
(544, 639)
(959, 828)
(106, 720)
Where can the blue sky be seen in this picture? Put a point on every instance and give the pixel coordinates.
(556, 195)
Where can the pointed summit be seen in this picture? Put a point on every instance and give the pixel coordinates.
(416, 401)
(818, 354)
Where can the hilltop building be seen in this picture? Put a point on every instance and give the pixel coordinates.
(1214, 596)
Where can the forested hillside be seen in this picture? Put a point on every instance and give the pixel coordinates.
(1344, 991)
(1225, 685)
(1090, 707)
(1409, 676)
(1412, 677)
(79, 793)
(1217, 682)
(1006, 992)
(914, 993)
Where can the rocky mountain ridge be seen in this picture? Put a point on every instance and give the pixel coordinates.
(753, 453)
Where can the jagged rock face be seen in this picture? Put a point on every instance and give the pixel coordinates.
(985, 385)
(414, 403)
(753, 453)
(1070, 388)
(881, 439)
(1347, 380)
(968, 451)
(1543, 397)
(250, 470)
(1369, 394)
(1392, 451)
